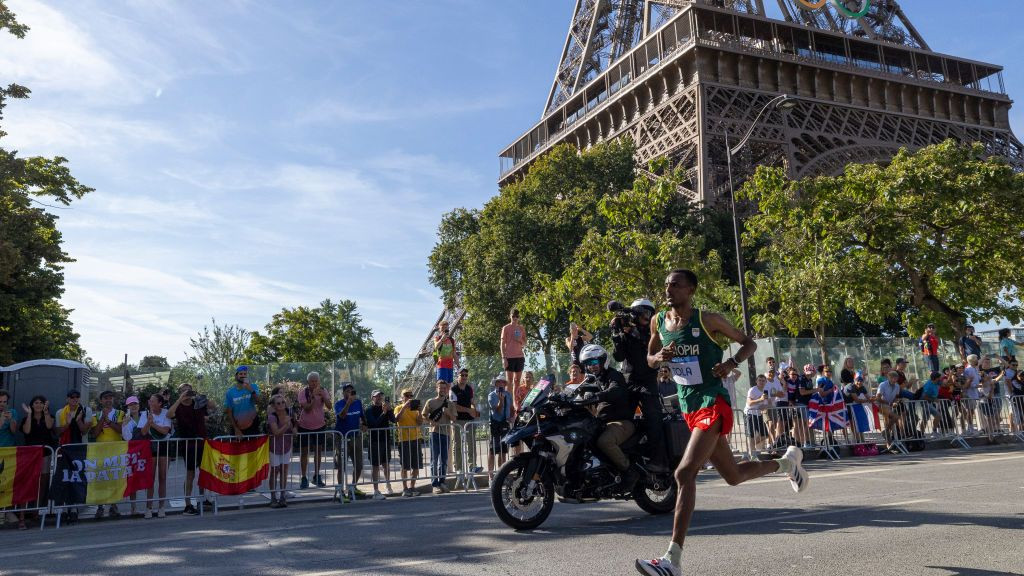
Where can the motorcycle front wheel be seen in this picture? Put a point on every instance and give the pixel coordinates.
(517, 503)
(656, 495)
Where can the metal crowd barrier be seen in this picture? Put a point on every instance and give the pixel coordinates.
(435, 455)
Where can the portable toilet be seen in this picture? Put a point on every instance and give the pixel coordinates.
(51, 378)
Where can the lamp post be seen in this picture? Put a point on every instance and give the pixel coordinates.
(782, 102)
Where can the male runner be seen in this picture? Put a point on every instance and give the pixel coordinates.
(689, 342)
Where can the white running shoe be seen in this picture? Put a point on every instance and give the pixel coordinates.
(378, 496)
(797, 475)
(657, 567)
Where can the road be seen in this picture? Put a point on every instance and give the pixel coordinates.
(935, 513)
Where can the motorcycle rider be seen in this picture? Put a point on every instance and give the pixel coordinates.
(631, 342)
(615, 407)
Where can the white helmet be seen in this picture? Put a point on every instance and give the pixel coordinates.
(593, 355)
(643, 303)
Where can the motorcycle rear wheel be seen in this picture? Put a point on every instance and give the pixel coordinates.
(513, 506)
(656, 499)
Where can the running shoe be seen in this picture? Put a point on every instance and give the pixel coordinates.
(148, 514)
(191, 510)
(319, 481)
(378, 496)
(657, 567)
(99, 512)
(798, 477)
(303, 483)
(161, 514)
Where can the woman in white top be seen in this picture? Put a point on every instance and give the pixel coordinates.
(155, 425)
(972, 380)
(757, 400)
(130, 430)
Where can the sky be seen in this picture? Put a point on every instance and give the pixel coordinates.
(250, 156)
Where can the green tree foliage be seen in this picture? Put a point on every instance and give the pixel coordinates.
(526, 235)
(650, 230)
(329, 332)
(154, 363)
(33, 324)
(936, 232)
(213, 354)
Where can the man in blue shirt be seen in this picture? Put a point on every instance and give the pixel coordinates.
(351, 422)
(500, 402)
(930, 393)
(240, 404)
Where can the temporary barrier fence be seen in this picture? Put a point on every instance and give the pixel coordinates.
(39, 505)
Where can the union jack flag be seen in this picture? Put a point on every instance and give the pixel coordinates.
(828, 413)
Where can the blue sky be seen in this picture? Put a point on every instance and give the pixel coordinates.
(249, 156)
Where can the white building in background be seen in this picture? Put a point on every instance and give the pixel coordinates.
(1016, 332)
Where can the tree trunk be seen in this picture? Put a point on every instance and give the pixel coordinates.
(819, 336)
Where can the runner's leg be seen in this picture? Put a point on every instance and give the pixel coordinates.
(701, 446)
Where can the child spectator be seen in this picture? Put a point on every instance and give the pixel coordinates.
(281, 427)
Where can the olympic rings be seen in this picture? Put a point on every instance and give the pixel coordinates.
(813, 6)
(841, 6)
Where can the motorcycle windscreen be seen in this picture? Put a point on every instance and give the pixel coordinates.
(538, 394)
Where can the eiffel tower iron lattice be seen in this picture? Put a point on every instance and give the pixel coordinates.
(677, 76)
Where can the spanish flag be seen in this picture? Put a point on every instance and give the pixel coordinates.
(234, 467)
(19, 475)
(101, 472)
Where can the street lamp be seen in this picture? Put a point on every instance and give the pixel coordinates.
(783, 102)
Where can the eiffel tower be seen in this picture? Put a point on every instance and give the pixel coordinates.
(680, 76)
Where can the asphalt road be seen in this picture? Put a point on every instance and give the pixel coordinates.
(934, 513)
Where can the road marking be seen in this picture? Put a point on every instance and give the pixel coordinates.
(408, 563)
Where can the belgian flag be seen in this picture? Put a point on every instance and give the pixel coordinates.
(234, 467)
(20, 468)
(101, 472)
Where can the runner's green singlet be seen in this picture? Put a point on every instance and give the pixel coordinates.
(695, 354)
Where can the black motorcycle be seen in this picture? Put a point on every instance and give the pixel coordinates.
(564, 461)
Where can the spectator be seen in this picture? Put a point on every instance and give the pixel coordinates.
(901, 369)
(758, 399)
(578, 338)
(73, 420)
(825, 388)
(791, 382)
(987, 407)
(73, 424)
(240, 404)
(462, 395)
(667, 387)
(770, 364)
(351, 423)
(886, 397)
(444, 353)
(971, 385)
(106, 427)
(1007, 345)
(520, 392)
(131, 430)
(439, 411)
(1016, 391)
(379, 419)
(313, 400)
(155, 425)
(847, 373)
(513, 348)
(279, 423)
(930, 348)
(884, 369)
(930, 393)
(575, 378)
(38, 428)
(969, 343)
(805, 389)
(189, 412)
(500, 402)
(728, 381)
(409, 420)
(775, 392)
(857, 405)
(8, 421)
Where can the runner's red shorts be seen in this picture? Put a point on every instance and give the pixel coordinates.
(705, 417)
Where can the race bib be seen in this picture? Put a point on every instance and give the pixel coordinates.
(686, 371)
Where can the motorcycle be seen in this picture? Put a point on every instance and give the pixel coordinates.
(564, 461)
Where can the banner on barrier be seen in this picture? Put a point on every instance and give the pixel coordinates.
(101, 472)
(20, 468)
(827, 413)
(232, 468)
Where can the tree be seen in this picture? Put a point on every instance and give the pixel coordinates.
(215, 351)
(330, 332)
(936, 231)
(154, 363)
(651, 229)
(33, 323)
(490, 260)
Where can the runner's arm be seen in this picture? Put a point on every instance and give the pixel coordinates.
(718, 324)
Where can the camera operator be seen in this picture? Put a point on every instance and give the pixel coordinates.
(631, 334)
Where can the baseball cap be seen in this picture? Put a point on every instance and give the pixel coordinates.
(499, 378)
(376, 393)
(131, 400)
(242, 368)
